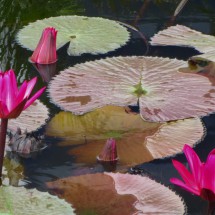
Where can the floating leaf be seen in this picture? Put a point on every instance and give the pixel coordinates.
(21, 201)
(117, 194)
(180, 35)
(93, 35)
(31, 118)
(137, 141)
(163, 93)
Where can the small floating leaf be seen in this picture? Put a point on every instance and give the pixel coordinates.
(21, 201)
(93, 35)
(180, 35)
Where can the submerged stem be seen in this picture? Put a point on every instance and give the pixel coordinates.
(211, 208)
(3, 132)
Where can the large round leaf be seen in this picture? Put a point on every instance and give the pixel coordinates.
(137, 141)
(93, 35)
(163, 93)
(117, 194)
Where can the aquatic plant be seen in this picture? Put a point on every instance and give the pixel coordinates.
(119, 193)
(84, 34)
(200, 179)
(154, 84)
(45, 52)
(138, 141)
(26, 144)
(13, 101)
(21, 201)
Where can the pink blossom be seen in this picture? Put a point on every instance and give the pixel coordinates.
(14, 100)
(45, 52)
(200, 180)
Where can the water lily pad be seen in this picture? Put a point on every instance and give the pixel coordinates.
(20, 201)
(117, 194)
(180, 35)
(93, 35)
(163, 93)
(31, 119)
(137, 141)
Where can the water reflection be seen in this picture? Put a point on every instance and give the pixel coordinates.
(55, 162)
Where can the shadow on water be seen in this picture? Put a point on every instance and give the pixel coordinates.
(55, 162)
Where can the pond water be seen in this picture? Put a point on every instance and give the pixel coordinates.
(149, 17)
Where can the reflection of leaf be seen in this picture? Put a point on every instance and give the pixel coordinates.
(31, 119)
(163, 93)
(98, 125)
(13, 171)
(180, 35)
(20, 201)
(85, 34)
(117, 194)
(137, 141)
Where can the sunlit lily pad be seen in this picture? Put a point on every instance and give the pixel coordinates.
(117, 194)
(180, 35)
(20, 201)
(93, 35)
(137, 141)
(163, 93)
(31, 119)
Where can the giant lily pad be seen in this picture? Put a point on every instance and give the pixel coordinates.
(93, 35)
(137, 141)
(163, 93)
(31, 119)
(20, 201)
(180, 35)
(117, 194)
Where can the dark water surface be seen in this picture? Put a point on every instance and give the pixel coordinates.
(149, 18)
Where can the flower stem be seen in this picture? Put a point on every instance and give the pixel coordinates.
(3, 132)
(211, 208)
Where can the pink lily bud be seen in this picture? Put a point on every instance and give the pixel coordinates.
(109, 152)
(45, 52)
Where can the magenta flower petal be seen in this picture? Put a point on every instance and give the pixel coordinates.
(194, 162)
(21, 92)
(17, 110)
(180, 183)
(208, 178)
(12, 99)
(34, 97)
(30, 86)
(3, 110)
(185, 174)
(45, 52)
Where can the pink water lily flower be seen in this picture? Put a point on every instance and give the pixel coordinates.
(200, 180)
(45, 52)
(14, 100)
